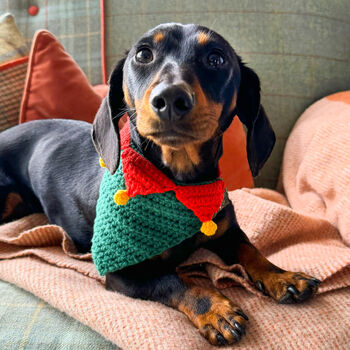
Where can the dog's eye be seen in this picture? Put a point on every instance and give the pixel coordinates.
(215, 59)
(144, 55)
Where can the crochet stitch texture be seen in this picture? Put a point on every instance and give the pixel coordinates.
(153, 213)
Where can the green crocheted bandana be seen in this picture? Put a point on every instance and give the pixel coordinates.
(141, 213)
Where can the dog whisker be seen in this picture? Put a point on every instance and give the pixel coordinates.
(119, 115)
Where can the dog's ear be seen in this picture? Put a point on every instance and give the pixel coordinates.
(260, 136)
(105, 131)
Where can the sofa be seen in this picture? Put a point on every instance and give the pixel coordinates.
(300, 50)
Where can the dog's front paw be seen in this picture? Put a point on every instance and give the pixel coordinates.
(223, 325)
(288, 287)
(216, 317)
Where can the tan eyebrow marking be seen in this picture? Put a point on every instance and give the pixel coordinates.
(203, 38)
(158, 37)
(127, 98)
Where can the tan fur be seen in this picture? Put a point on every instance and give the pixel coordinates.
(234, 102)
(203, 121)
(181, 160)
(205, 116)
(147, 119)
(203, 38)
(12, 200)
(127, 98)
(275, 281)
(158, 37)
(221, 312)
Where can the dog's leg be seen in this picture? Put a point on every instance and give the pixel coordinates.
(16, 200)
(216, 317)
(286, 287)
(12, 205)
(283, 286)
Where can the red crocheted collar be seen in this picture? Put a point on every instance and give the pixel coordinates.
(143, 178)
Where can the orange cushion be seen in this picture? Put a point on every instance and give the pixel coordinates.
(234, 165)
(57, 88)
(101, 89)
(55, 85)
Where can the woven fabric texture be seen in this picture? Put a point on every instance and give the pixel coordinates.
(321, 138)
(75, 23)
(300, 49)
(12, 79)
(13, 67)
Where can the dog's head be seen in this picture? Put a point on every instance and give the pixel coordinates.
(182, 85)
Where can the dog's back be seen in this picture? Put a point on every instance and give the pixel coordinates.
(53, 165)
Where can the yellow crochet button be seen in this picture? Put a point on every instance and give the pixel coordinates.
(121, 197)
(102, 163)
(209, 228)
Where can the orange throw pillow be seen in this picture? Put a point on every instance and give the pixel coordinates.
(55, 85)
(101, 89)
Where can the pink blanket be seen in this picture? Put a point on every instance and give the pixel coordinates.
(308, 231)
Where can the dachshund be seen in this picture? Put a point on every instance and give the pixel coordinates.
(181, 85)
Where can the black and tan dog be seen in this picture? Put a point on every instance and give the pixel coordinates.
(181, 85)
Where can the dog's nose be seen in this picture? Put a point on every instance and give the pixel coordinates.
(171, 102)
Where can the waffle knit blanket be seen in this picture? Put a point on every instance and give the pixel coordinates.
(307, 230)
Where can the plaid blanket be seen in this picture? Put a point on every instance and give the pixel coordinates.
(27, 322)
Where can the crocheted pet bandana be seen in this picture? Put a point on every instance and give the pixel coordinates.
(140, 212)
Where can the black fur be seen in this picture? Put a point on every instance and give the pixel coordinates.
(53, 165)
